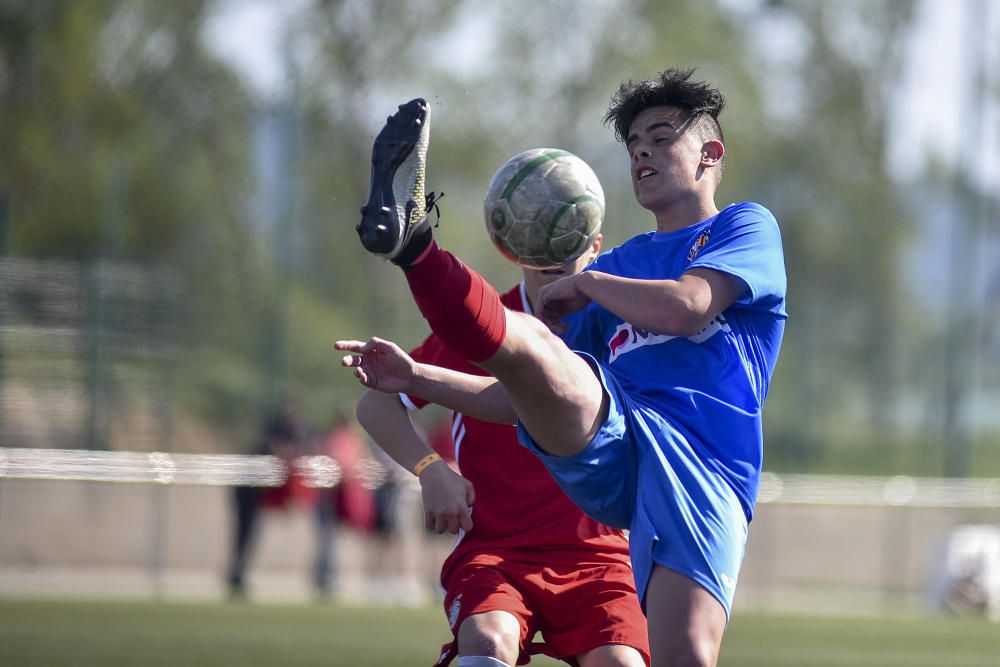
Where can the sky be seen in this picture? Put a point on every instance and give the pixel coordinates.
(248, 34)
(936, 92)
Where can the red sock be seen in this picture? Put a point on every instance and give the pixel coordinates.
(461, 307)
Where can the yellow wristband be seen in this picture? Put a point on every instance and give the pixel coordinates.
(424, 462)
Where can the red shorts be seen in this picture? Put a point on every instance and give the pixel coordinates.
(576, 607)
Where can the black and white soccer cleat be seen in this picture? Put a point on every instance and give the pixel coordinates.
(397, 206)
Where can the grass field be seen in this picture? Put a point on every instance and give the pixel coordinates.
(55, 633)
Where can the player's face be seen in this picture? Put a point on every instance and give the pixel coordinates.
(664, 156)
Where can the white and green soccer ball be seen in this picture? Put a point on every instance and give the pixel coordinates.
(544, 207)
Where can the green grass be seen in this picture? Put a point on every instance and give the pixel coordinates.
(756, 640)
(54, 633)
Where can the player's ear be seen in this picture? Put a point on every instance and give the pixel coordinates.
(712, 152)
(595, 247)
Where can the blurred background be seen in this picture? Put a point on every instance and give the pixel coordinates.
(179, 185)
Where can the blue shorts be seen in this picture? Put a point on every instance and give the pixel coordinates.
(641, 473)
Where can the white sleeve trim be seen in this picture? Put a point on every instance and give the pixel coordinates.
(524, 299)
(407, 403)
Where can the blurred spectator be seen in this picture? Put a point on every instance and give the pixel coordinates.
(283, 436)
(387, 495)
(351, 501)
(387, 560)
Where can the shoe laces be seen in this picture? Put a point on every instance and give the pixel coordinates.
(431, 200)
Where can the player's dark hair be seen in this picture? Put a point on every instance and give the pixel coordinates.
(671, 88)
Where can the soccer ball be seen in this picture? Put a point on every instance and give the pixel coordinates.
(544, 207)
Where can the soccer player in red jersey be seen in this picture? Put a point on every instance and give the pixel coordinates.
(526, 559)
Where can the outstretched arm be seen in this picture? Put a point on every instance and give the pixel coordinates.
(482, 397)
(383, 365)
(447, 496)
(680, 307)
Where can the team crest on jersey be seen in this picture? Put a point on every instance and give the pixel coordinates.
(699, 243)
(456, 607)
(628, 337)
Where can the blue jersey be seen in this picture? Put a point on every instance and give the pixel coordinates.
(710, 387)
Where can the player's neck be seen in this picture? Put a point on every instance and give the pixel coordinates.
(684, 213)
(530, 295)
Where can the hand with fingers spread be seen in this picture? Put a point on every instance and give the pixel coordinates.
(559, 299)
(447, 498)
(378, 364)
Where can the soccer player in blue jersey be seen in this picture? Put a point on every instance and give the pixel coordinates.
(649, 414)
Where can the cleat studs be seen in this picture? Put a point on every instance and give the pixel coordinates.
(364, 210)
(390, 119)
(385, 210)
(418, 122)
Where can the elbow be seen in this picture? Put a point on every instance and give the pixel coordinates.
(681, 328)
(368, 409)
(687, 319)
(690, 324)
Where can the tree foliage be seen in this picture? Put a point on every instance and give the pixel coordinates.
(126, 138)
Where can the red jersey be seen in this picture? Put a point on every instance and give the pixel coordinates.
(519, 512)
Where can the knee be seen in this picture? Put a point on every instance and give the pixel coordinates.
(612, 655)
(493, 634)
(633, 659)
